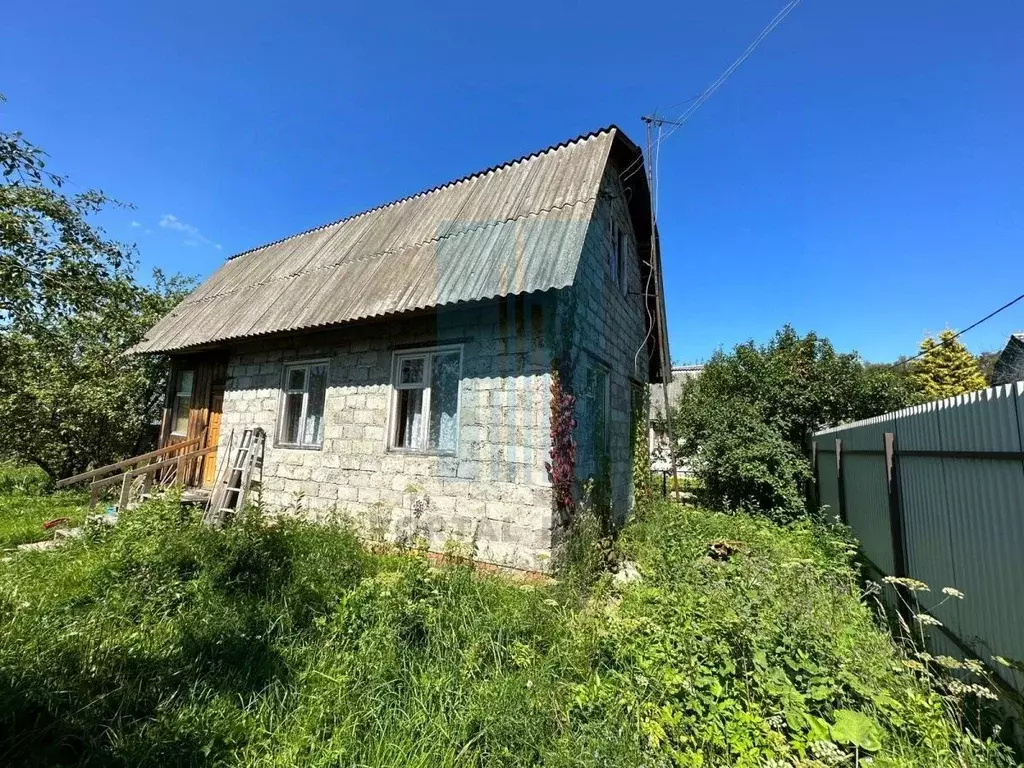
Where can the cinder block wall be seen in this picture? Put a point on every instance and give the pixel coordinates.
(610, 328)
(494, 492)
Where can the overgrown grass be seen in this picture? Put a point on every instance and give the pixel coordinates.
(162, 643)
(25, 505)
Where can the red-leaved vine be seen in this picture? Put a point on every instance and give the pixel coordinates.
(562, 467)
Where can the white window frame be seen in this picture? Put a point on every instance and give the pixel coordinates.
(176, 402)
(279, 442)
(427, 353)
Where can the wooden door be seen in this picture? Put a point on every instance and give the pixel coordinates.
(213, 435)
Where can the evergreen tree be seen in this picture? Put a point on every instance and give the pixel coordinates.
(946, 369)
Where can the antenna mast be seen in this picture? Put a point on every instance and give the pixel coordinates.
(666, 365)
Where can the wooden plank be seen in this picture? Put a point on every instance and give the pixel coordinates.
(126, 463)
(115, 479)
(126, 487)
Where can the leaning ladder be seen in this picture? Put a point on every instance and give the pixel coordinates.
(232, 486)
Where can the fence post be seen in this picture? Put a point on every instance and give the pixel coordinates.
(126, 487)
(892, 480)
(813, 497)
(841, 481)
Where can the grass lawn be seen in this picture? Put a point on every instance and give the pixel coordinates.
(163, 643)
(24, 506)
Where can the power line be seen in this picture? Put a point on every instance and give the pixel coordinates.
(708, 92)
(957, 335)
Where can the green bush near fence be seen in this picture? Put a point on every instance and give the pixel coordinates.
(163, 643)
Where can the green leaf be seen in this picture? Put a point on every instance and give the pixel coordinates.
(856, 729)
(818, 728)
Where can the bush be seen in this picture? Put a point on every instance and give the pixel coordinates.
(746, 419)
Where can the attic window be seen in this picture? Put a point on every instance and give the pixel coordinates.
(302, 405)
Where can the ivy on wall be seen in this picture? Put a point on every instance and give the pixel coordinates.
(562, 467)
(640, 404)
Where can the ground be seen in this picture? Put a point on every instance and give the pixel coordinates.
(741, 643)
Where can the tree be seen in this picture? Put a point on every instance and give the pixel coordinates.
(52, 259)
(987, 364)
(70, 307)
(946, 368)
(70, 396)
(746, 419)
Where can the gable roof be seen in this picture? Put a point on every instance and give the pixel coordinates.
(514, 228)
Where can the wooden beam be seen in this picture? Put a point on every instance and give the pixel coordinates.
(127, 463)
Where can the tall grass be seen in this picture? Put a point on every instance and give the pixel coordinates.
(286, 643)
(25, 504)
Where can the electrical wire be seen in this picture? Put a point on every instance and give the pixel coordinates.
(708, 92)
(957, 335)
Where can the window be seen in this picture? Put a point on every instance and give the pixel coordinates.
(426, 401)
(592, 421)
(617, 256)
(302, 405)
(182, 402)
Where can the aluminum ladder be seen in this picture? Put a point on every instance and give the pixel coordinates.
(232, 488)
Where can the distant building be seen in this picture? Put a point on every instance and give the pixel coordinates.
(1010, 363)
(660, 459)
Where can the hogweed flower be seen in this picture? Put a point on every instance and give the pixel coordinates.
(927, 620)
(975, 666)
(912, 584)
(953, 593)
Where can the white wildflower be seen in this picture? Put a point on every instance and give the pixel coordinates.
(953, 593)
(927, 620)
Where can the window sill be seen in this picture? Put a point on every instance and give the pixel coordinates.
(294, 447)
(420, 452)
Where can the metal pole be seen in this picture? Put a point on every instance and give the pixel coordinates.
(655, 253)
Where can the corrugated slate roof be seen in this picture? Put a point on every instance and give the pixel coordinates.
(514, 228)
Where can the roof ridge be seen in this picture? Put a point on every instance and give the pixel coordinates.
(507, 164)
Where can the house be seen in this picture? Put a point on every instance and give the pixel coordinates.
(400, 360)
(661, 461)
(1009, 366)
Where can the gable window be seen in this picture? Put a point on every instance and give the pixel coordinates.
(425, 408)
(182, 402)
(617, 256)
(302, 405)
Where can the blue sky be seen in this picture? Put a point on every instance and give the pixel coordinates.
(861, 175)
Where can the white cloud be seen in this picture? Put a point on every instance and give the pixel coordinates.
(136, 224)
(193, 237)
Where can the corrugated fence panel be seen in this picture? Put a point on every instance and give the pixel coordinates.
(926, 510)
(867, 506)
(986, 497)
(828, 481)
(963, 514)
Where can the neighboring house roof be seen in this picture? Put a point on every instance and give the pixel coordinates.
(1009, 366)
(514, 228)
(680, 375)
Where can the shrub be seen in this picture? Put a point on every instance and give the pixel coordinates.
(745, 420)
